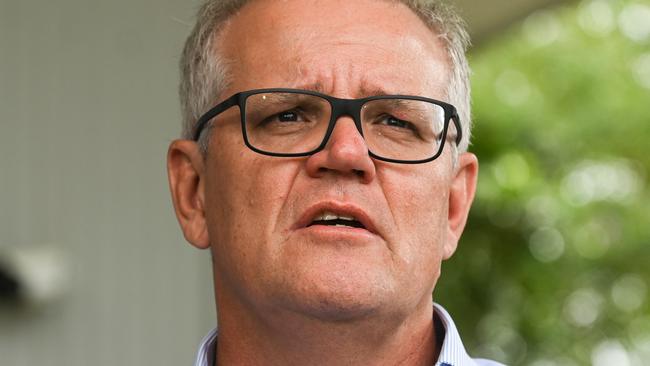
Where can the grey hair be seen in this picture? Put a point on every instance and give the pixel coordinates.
(204, 73)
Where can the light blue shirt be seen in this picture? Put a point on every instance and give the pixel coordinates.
(452, 353)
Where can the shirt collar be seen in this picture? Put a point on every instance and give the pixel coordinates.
(206, 354)
(452, 353)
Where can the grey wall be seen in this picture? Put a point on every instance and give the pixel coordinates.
(87, 108)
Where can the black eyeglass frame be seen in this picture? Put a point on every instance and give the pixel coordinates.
(340, 107)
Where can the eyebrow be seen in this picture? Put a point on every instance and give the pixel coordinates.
(367, 91)
(364, 90)
(316, 87)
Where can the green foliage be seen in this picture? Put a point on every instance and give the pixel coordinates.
(554, 266)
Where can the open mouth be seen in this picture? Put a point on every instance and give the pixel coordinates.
(332, 219)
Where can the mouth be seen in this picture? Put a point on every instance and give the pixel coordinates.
(338, 220)
(336, 215)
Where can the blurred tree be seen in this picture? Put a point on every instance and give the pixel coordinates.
(554, 266)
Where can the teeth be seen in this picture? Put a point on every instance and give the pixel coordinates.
(327, 216)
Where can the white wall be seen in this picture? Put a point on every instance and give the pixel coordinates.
(88, 106)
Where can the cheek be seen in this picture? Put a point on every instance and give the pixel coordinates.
(419, 204)
(245, 194)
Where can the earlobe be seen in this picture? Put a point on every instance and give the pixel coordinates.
(461, 195)
(185, 173)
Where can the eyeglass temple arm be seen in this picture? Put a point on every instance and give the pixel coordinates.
(459, 132)
(209, 115)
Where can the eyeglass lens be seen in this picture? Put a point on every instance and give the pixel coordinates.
(294, 123)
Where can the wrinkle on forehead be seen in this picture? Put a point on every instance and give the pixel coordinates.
(308, 69)
(336, 83)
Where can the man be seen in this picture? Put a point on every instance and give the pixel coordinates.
(325, 168)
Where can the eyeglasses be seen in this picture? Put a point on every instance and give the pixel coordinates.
(292, 123)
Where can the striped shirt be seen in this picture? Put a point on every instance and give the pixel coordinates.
(452, 353)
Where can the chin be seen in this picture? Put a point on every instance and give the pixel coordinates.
(336, 307)
(332, 310)
(342, 294)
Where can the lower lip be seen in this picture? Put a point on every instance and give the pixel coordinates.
(338, 232)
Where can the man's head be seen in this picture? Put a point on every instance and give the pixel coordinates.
(256, 213)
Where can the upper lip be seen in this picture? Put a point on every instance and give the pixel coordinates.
(343, 209)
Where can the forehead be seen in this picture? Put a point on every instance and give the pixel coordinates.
(349, 48)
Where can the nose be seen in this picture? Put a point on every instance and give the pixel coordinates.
(346, 153)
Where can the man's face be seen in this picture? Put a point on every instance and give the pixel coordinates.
(258, 209)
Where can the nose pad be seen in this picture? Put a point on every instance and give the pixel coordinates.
(346, 152)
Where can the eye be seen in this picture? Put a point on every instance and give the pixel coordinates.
(395, 122)
(284, 117)
(288, 116)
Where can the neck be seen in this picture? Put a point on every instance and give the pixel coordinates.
(284, 338)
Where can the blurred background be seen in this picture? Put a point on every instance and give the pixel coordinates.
(554, 268)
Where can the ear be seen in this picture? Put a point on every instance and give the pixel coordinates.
(185, 169)
(461, 195)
